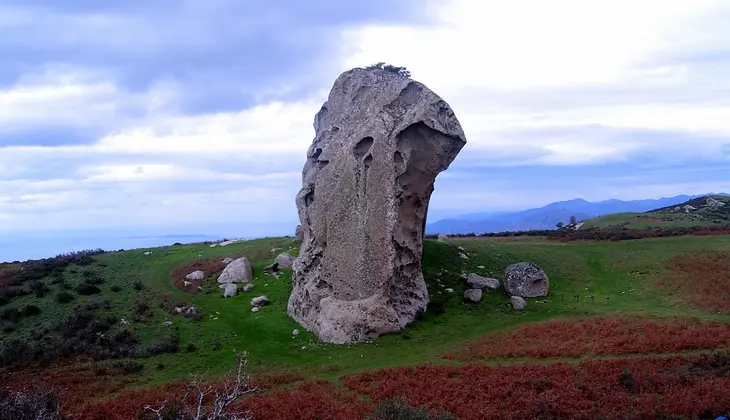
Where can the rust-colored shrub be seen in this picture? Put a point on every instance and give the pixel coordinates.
(700, 279)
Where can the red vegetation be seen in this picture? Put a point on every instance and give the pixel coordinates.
(646, 388)
(605, 335)
(207, 266)
(701, 280)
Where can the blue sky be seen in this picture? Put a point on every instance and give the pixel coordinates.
(184, 114)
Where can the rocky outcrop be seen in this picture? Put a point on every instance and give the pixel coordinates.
(525, 279)
(237, 271)
(298, 234)
(381, 140)
(486, 284)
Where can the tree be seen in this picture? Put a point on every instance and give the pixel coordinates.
(559, 225)
(401, 71)
(573, 220)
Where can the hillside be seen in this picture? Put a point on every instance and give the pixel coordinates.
(705, 211)
(546, 217)
(595, 289)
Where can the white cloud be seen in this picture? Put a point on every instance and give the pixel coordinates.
(477, 53)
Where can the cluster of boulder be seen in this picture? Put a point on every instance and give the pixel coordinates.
(521, 280)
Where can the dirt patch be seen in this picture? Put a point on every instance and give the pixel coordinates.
(700, 280)
(211, 267)
(605, 335)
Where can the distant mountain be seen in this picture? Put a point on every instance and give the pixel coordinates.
(548, 216)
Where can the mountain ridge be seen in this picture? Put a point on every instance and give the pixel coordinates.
(546, 217)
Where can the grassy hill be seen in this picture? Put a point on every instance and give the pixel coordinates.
(646, 279)
(708, 211)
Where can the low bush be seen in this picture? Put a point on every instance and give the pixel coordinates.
(30, 310)
(115, 289)
(40, 405)
(87, 289)
(397, 409)
(11, 314)
(64, 297)
(92, 277)
(138, 285)
(119, 367)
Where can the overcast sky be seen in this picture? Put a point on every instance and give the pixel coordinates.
(134, 113)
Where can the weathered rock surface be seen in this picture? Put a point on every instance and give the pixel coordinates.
(518, 303)
(230, 290)
(381, 140)
(227, 260)
(526, 279)
(443, 238)
(299, 233)
(473, 295)
(237, 271)
(196, 275)
(284, 261)
(487, 284)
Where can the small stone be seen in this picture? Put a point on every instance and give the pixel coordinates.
(481, 267)
(450, 290)
(487, 284)
(295, 332)
(260, 301)
(187, 283)
(227, 260)
(247, 287)
(230, 290)
(473, 295)
(443, 238)
(195, 275)
(464, 256)
(255, 309)
(462, 250)
(518, 303)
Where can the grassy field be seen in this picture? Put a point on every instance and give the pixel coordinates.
(586, 279)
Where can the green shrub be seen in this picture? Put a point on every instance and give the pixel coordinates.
(86, 289)
(11, 314)
(30, 310)
(64, 297)
(116, 289)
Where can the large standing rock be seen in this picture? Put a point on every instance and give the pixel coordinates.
(230, 290)
(525, 279)
(298, 233)
(381, 140)
(237, 271)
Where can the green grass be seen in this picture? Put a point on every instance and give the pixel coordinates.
(621, 271)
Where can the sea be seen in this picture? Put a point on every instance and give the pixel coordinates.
(22, 248)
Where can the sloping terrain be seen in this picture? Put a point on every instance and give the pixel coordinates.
(706, 211)
(600, 293)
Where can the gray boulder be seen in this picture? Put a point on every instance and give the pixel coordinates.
(284, 260)
(518, 303)
(443, 238)
(526, 279)
(260, 301)
(227, 260)
(195, 275)
(238, 271)
(381, 140)
(473, 295)
(230, 290)
(487, 284)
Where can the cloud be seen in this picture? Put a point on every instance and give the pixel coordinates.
(129, 114)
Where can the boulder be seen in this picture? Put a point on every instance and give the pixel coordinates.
(381, 140)
(230, 290)
(227, 260)
(195, 275)
(525, 279)
(260, 301)
(238, 271)
(443, 238)
(248, 287)
(473, 295)
(487, 284)
(518, 303)
(284, 260)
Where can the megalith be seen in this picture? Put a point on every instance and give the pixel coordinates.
(380, 141)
